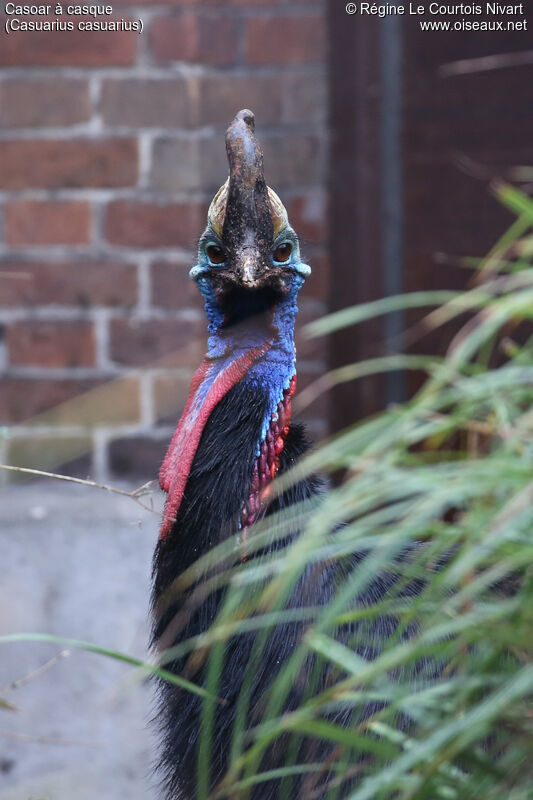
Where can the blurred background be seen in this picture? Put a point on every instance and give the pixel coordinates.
(381, 139)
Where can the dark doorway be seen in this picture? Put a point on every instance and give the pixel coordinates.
(421, 123)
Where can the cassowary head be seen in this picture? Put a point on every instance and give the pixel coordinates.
(248, 255)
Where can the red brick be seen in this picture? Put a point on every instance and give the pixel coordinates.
(170, 396)
(189, 164)
(44, 102)
(56, 163)
(305, 99)
(293, 159)
(137, 458)
(285, 40)
(199, 38)
(68, 455)
(84, 283)
(138, 224)
(67, 48)
(36, 222)
(221, 94)
(171, 286)
(168, 342)
(308, 216)
(69, 402)
(149, 102)
(46, 343)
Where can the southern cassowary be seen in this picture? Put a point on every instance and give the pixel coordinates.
(234, 437)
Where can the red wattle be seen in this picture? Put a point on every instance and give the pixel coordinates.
(267, 462)
(180, 454)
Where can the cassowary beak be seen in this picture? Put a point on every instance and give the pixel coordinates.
(245, 213)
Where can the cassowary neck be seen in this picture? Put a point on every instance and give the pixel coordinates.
(257, 352)
(272, 332)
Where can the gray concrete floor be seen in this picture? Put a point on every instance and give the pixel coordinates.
(75, 563)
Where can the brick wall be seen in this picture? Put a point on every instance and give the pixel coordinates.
(112, 146)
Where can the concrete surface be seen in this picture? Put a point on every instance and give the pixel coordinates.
(75, 563)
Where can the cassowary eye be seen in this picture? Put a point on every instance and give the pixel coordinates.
(216, 254)
(283, 252)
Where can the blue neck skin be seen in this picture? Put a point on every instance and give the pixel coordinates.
(272, 372)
